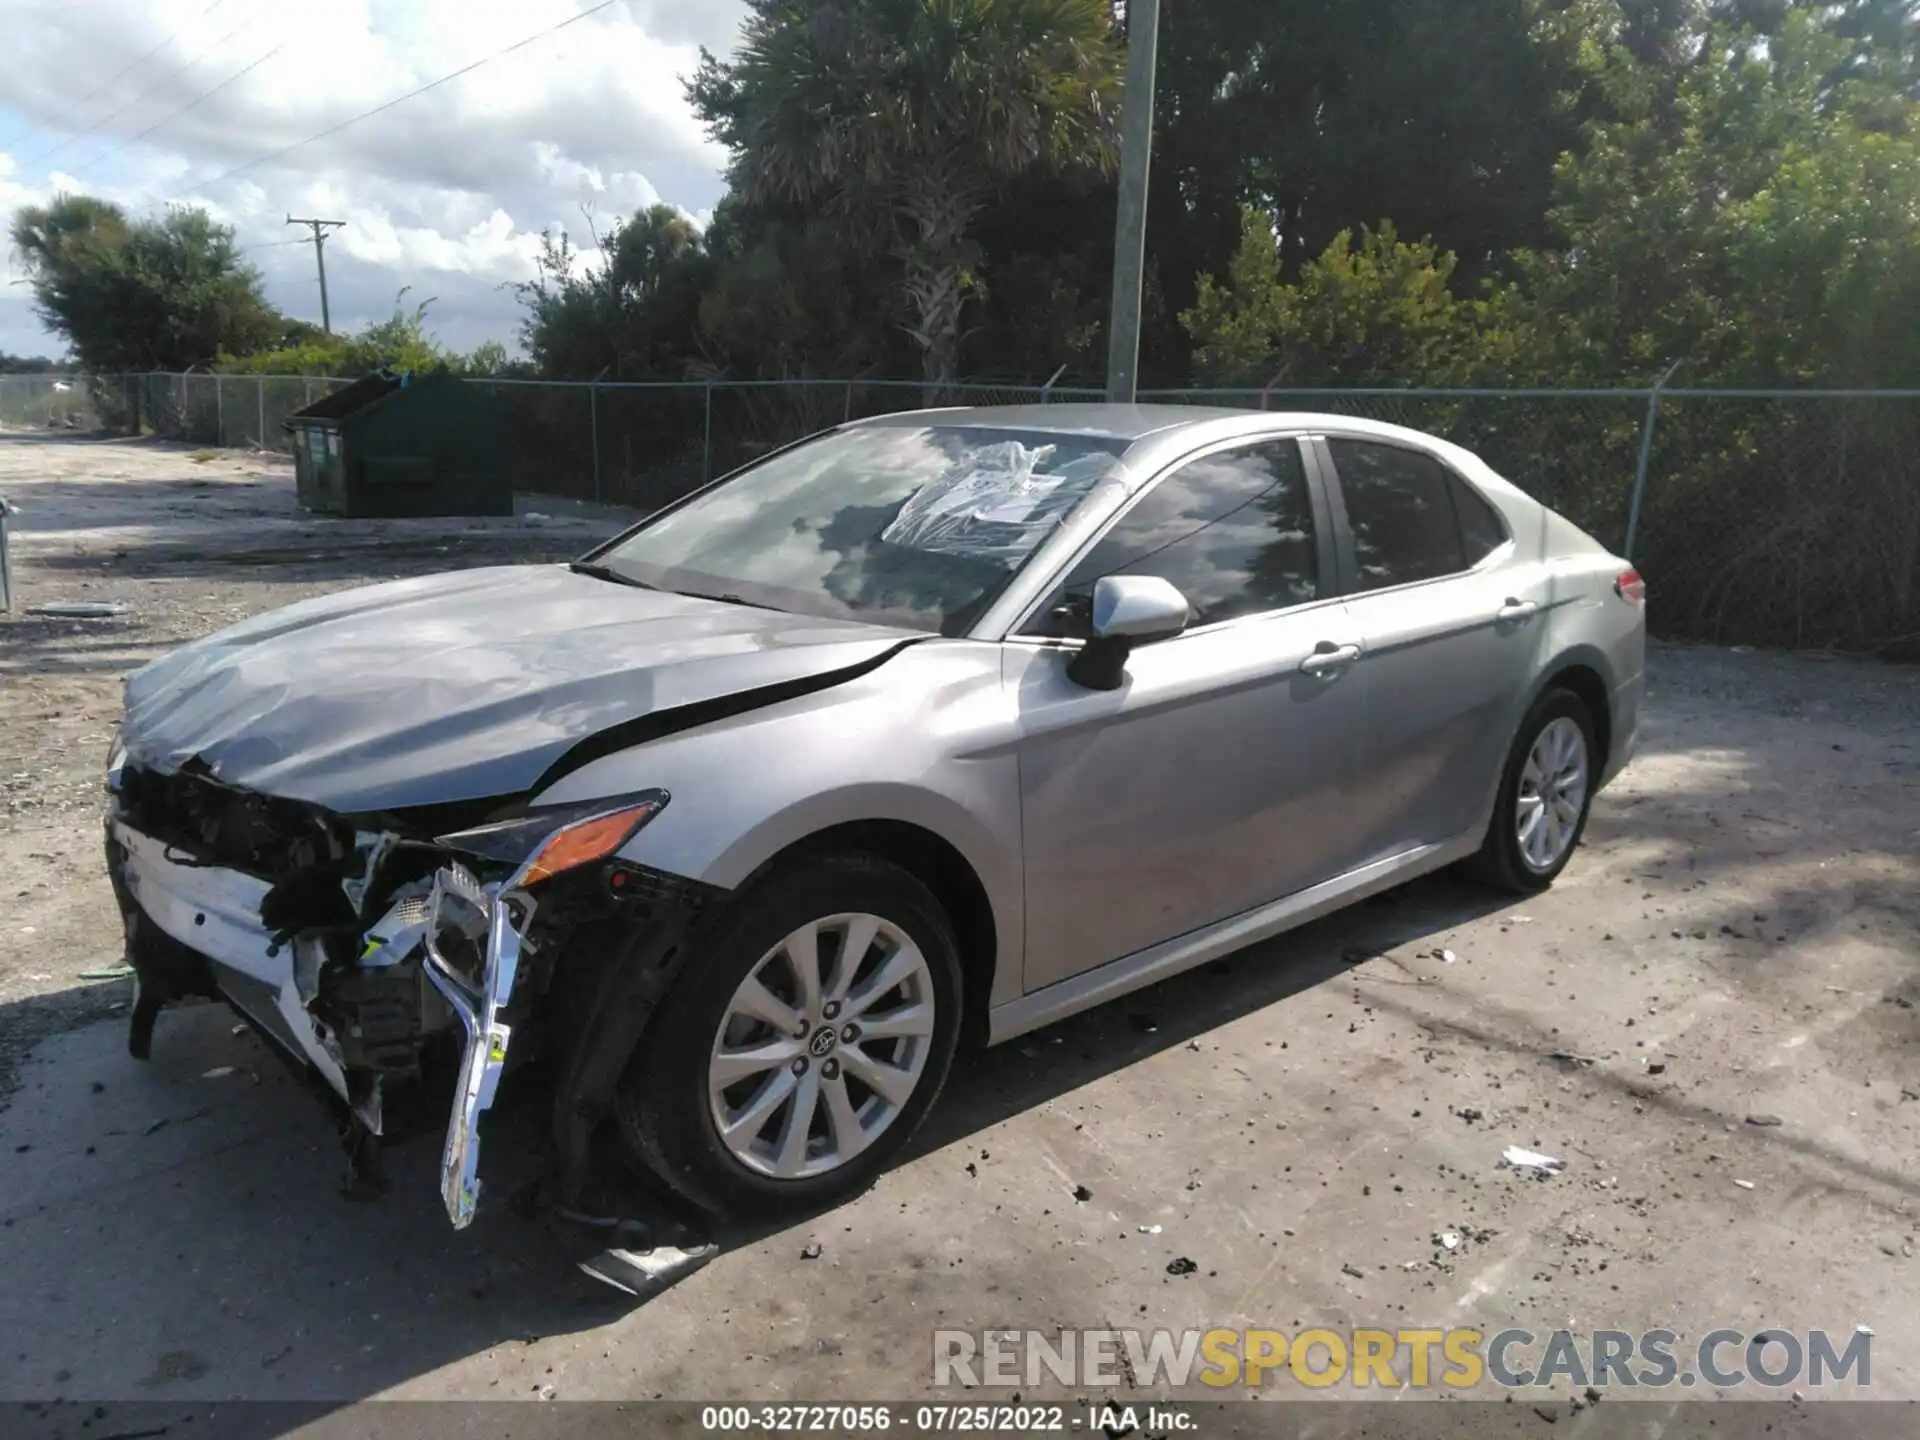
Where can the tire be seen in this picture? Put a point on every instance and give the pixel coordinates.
(670, 1105)
(1503, 861)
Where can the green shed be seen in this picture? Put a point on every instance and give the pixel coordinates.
(401, 444)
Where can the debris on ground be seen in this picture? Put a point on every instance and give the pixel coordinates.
(1765, 1121)
(112, 972)
(1149, 1229)
(1448, 1239)
(643, 1272)
(1744, 1184)
(1515, 1158)
(810, 1251)
(1145, 1024)
(78, 609)
(1081, 1194)
(219, 1072)
(1354, 1270)
(1181, 1265)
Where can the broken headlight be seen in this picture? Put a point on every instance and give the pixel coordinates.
(554, 839)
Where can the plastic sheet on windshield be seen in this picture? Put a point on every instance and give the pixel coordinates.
(998, 502)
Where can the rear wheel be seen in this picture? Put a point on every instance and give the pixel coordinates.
(810, 1032)
(1546, 792)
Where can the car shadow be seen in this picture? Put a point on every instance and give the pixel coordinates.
(233, 1172)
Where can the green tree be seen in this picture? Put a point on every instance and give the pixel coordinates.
(904, 117)
(400, 342)
(162, 293)
(1763, 226)
(1368, 310)
(630, 312)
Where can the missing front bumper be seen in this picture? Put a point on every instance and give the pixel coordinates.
(196, 929)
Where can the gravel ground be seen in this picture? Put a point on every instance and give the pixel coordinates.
(1710, 1019)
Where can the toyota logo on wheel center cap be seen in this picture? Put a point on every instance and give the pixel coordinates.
(823, 1041)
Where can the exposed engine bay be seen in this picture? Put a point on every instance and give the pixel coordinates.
(404, 961)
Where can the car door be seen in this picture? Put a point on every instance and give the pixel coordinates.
(1217, 777)
(1449, 625)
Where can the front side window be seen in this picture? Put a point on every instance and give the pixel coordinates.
(1233, 532)
(920, 527)
(1400, 511)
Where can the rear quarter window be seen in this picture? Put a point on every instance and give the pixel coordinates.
(1481, 529)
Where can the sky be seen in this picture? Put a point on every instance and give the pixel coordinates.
(151, 102)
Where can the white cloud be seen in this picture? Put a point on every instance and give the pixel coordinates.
(446, 192)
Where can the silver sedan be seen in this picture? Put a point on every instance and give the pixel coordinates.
(941, 724)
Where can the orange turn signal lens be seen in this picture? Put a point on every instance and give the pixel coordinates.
(585, 841)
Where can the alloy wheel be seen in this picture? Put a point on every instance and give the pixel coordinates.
(1553, 794)
(822, 1046)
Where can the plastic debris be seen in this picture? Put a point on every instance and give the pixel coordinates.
(1181, 1265)
(1516, 1158)
(1448, 956)
(1744, 1184)
(1448, 1239)
(78, 609)
(1149, 1229)
(810, 1251)
(644, 1272)
(219, 1072)
(111, 972)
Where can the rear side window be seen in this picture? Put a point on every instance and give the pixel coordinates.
(1400, 508)
(1233, 532)
(1480, 528)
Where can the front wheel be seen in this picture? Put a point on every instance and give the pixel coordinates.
(809, 1033)
(1546, 792)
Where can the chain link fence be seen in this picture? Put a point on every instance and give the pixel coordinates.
(1765, 517)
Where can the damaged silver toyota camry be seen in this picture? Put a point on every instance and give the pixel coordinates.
(943, 724)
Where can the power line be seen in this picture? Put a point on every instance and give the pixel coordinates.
(78, 136)
(204, 95)
(402, 99)
(138, 60)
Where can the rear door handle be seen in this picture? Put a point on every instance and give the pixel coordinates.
(1519, 609)
(1326, 660)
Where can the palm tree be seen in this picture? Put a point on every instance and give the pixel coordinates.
(903, 116)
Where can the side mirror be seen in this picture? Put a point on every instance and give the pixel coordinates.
(1128, 610)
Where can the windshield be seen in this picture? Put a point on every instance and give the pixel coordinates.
(919, 527)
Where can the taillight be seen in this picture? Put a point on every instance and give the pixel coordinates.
(1631, 588)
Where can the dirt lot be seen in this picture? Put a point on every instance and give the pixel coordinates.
(1737, 943)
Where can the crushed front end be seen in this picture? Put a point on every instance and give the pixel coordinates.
(378, 956)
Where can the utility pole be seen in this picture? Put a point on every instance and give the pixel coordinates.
(1130, 225)
(320, 229)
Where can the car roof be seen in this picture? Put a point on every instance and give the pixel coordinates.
(1133, 423)
(1113, 422)
(1159, 435)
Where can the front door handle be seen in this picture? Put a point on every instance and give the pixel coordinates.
(1329, 658)
(1519, 610)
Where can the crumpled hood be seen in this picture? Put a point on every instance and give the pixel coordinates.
(459, 686)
